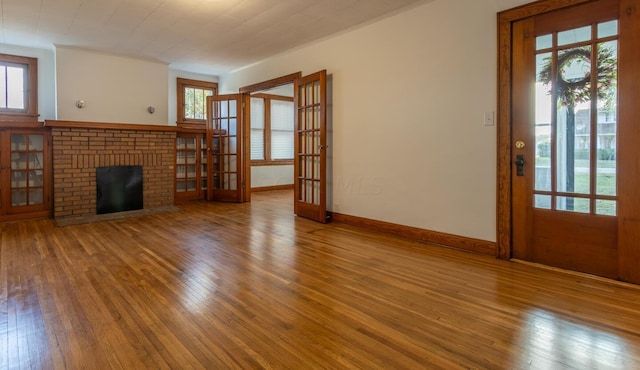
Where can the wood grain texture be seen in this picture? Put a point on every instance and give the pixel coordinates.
(535, 8)
(629, 135)
(109, 126)
(503, 188)
(249, 285)
(270, 84)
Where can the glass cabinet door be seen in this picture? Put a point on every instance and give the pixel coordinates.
(185, 164)
(191, 166)
(26, 169)
(203, 163)
(24, 173)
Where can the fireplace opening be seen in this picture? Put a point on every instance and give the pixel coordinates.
(119, 188)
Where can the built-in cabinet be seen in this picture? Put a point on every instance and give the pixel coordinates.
(24, 173)
(191, 167)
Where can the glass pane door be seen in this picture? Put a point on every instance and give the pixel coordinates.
(310, 147)
(224, 133)
(576, 119)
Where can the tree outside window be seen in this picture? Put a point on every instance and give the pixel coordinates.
(192, 100)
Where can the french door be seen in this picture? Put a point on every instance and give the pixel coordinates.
(224, 143)
(574, 138)
(228, 148)
(310, 147)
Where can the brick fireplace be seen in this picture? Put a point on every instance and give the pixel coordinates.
(78, 148)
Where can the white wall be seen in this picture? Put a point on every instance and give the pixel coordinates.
(115, 89)
(409, 95)
(173, 75)
(263, 176)
(46, 77)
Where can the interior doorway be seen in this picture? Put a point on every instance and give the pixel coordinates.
(280, 170)
(271, 124)
(311, 139)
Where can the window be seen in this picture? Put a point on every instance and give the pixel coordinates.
(272, 124)
(18, 88)
(192, 100)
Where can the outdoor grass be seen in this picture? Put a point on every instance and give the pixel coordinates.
(605, 185)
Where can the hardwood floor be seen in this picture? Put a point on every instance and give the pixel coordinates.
(218, 286)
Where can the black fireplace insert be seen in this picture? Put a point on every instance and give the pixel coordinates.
(119, 188)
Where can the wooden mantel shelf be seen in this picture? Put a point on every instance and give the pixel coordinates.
(109, 126)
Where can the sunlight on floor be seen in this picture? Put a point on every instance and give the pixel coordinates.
(551, 342)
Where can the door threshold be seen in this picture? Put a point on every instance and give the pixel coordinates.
(577, 274)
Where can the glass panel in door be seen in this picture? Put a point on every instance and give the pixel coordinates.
(224, 135)
(27, 169)
(575, 120)
(310, 147)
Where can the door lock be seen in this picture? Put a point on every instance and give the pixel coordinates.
(519, 165)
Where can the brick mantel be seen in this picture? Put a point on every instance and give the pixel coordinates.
(78, 148)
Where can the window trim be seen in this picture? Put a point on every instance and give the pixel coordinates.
(182, 84)
(267, 131)
(30, 112)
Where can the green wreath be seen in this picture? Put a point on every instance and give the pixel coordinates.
(579, 90)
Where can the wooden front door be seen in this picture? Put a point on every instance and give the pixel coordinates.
(224, 142)
(574, 127)
(310, 147)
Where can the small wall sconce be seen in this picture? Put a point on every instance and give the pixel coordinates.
(80, 104)
(151, 110)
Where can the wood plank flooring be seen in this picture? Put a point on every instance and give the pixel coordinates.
(223, 286)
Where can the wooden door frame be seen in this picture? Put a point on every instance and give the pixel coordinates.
(506, 20)
(246, 139)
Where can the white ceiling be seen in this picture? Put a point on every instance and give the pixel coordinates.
(206, 36)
